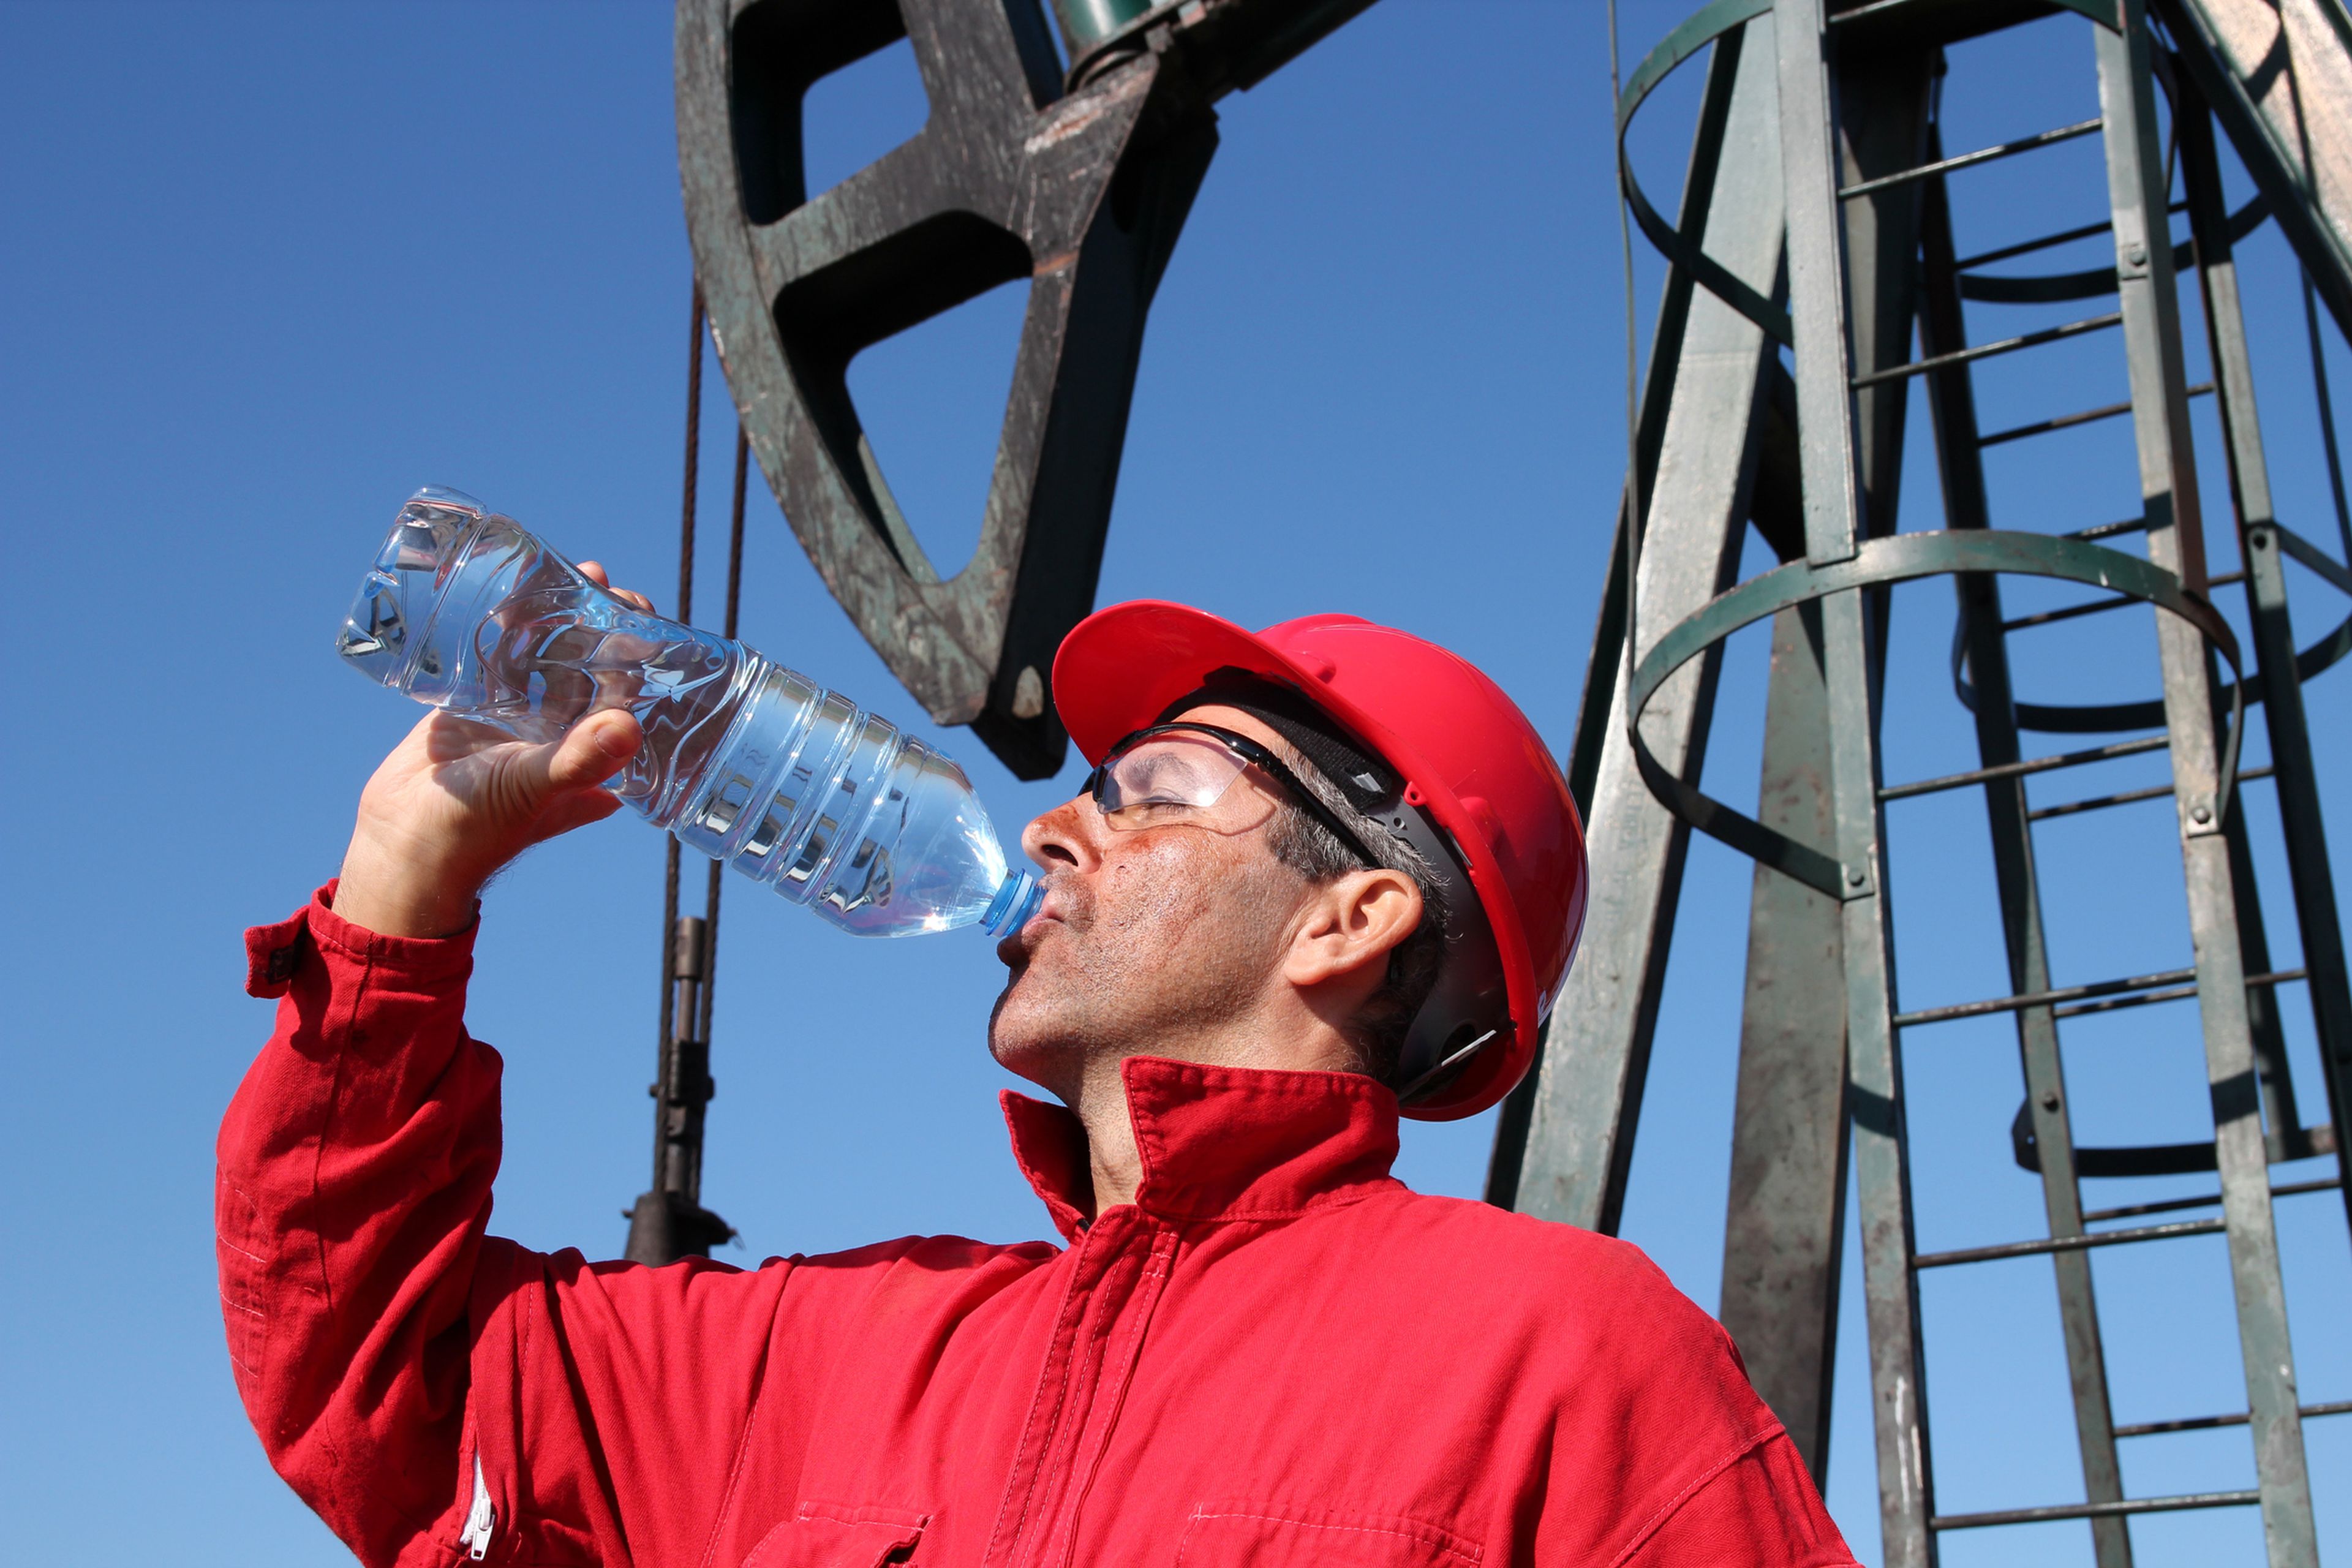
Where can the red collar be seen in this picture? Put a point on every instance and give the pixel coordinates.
(1217, 1143)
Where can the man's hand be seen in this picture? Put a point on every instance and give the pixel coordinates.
(457, 800)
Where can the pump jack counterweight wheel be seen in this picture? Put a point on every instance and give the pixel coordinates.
(1081, 193)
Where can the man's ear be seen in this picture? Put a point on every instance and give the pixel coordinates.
(1350, 926)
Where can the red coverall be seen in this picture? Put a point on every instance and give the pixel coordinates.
(1277, 1355)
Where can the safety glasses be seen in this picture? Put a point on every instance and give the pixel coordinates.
(1170, 771)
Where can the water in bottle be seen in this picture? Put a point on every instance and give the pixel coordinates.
(744, 760)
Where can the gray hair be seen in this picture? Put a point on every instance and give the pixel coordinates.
(1306, 846)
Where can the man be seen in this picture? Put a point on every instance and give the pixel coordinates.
(1315, 871)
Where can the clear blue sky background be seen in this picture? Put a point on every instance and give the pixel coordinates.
(270, 267)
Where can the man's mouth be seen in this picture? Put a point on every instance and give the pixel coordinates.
(1012, 949)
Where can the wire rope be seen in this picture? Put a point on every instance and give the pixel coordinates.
(1633, 501)
(734, 602)
(685, 611)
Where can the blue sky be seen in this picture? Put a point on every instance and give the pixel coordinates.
(270, 267)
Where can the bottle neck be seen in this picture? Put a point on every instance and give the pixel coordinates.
(1015, 901)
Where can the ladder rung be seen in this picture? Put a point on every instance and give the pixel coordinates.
(2171, 993)
(2070, 613)
(2068, 421)
(2117, 1004)
(2225, 579)
(2027, 247)
(1967, 160)
(2206, 1423)
(1876, 7)
(2067, 1243)
(2068, 237)
(1985, 350)
(2030, 765)
(2098, 803)
(2206, 1200)
(2125, 797)
(2109, 530)
(2025, 999)
(2245, 1498)
(2314, 557)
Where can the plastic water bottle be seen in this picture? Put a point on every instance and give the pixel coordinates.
(743, 760)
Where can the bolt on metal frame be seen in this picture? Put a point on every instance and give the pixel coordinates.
(1816, 217)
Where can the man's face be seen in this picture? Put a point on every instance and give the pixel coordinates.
(1148, 932)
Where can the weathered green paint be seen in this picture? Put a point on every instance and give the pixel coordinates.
(2262, 540)
(1088, 23)
(2149, 298)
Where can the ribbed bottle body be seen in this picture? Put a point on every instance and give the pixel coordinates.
(833, 807)
(744, 760)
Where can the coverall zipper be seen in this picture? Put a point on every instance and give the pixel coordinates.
(480, 1519)
(1117, 1271)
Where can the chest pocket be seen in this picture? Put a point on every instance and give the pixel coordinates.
(828, 1535)
(1280, 1535)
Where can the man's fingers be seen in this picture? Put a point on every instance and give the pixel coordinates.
(594, 572)
(575, 811)
(445, 736)
(534, 783)
(596, 748)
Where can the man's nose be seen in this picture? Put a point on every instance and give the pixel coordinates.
(1066, 836)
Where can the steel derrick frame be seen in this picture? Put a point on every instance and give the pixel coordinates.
(2262, 540)
(1820, 907)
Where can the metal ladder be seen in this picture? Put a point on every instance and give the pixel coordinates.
(1818, 177)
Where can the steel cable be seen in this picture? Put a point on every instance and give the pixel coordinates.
(685, 611)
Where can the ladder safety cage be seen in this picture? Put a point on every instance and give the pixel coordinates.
(1798, 275)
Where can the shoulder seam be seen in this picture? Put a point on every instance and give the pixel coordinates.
(1652, 1525)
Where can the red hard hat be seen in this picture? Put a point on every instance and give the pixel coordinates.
(1469, 759)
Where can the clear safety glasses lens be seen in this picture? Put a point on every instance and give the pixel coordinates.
(1164, 774)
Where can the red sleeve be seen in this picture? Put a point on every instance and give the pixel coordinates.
(412, 1378)
(1758, 1510)
(353, 1180)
